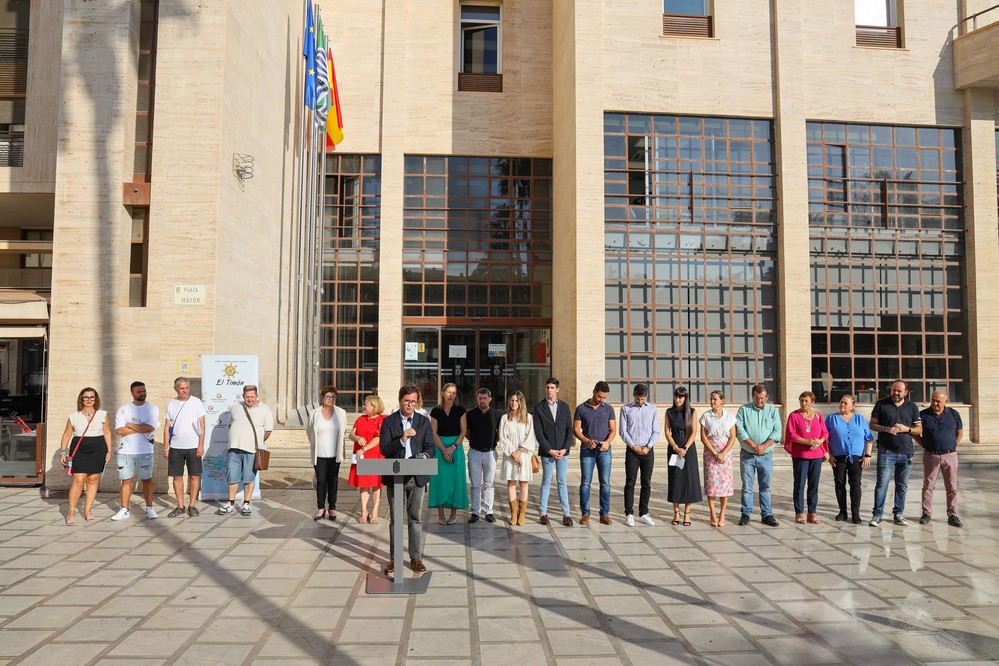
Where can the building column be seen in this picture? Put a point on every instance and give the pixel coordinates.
(393, 143)
(982, 248)
(793, 280)
(578, 225)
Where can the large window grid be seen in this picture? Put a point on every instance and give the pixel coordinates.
(887, 260)
(477, 238)
(690, 243)
(348, 332)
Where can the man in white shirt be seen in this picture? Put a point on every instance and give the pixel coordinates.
(136, 422)
(250, 424)
(184, 444)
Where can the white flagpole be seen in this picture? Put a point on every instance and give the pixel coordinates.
(297, 268)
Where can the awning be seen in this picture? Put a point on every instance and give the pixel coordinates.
(12, 332)
(23, 307)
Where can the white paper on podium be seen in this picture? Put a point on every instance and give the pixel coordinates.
(676, 461)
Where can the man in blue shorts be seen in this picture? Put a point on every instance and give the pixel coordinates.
(136, 422)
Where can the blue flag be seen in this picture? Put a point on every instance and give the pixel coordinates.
(309, 51)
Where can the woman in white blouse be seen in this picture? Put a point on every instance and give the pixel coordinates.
(84, 450)
(327, 433)
(718, 438)
(516, 438)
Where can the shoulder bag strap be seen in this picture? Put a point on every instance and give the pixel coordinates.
(256, 443)
(80, 441)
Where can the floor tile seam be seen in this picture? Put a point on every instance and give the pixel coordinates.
(546, 646)
(474, 636)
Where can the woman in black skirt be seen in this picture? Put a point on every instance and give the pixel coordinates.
(87, 437)
(684, 484)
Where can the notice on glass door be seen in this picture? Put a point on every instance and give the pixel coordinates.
(412, 351)
(497, 351)
(457, 351)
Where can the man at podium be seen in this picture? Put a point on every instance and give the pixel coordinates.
(407, 434)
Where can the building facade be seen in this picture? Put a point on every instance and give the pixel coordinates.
(708, 193)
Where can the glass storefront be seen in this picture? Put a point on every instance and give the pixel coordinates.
(23, 383)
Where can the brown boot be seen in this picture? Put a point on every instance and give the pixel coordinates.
(514, 509)
(522, 513)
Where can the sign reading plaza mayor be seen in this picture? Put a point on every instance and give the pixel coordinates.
(222, 382)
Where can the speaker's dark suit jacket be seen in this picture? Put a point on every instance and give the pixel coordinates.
(391, 445)
(552, 434)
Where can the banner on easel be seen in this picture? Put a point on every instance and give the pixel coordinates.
(222, 382)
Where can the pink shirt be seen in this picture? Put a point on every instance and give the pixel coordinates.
(797, 427)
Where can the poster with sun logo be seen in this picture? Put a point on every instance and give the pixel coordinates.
(222, 382)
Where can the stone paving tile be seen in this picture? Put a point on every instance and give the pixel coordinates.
(63, 653)
(208, 653)
(715, 639)
(16, 641)
(582, 642)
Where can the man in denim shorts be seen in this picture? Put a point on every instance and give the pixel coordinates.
(250, 424)
(136, 422)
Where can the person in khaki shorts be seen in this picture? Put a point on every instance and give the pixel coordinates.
(184, 444)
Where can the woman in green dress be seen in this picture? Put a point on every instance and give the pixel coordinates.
(447, 489)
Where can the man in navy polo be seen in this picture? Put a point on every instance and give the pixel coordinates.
(896, 420)
(594, 425)
(942, 432)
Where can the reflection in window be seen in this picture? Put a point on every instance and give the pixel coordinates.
(348, 329)
(480, 39)
(477, 233)
(887, 268)
(689, 255)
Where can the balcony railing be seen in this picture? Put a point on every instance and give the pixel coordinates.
(13, 62)
(879, 36)
(688, 26)
(965, 28)
(11, 148)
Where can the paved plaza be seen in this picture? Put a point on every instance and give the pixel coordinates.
(278, 587)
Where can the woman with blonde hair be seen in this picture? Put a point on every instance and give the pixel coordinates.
(516, 438)
(366, 435)
(447, 489)
(88, 434)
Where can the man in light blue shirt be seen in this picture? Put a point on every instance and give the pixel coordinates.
(640, 431)
(758, 427)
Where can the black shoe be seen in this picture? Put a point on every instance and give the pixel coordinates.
(770, 520)
(841, 516)
(925, 519)
(954, 521)
(490, 518)
(857, 520)
(744, 520)
(474, 518)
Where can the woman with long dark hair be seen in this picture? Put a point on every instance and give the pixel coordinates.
(684, 482)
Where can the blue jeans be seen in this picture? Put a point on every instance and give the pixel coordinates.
(561, 469)
(806, 473)
(587, 459)
(762, 467)
(902, 464)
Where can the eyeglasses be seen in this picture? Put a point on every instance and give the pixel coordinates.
(329, 397)
(409, 402)
(90, 397)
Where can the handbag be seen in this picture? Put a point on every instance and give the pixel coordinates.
(261, 457)
(535, 463)
(69, 459)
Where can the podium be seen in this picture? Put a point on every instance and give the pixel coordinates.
(377, 583)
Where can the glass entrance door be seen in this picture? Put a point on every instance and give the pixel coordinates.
(502, 360)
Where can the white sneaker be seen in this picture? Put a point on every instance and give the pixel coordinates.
(629, 520)
(151, 513)
(121, 515)
(647, 519)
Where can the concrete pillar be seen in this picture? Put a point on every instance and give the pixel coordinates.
(578, 260)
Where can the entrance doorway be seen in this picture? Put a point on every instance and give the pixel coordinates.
(502, 360)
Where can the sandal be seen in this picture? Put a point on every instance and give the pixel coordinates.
(70, 519)
(676, 516)
(88, 515)
(686, 519)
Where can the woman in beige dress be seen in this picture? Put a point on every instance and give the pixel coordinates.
(516, 438)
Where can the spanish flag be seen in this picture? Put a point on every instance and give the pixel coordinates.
(334, 122)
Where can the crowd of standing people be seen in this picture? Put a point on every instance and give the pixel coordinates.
(520, 442)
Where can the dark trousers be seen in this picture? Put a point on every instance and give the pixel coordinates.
(806, 472)
(327, 481)
(633, 463)
(851, 472)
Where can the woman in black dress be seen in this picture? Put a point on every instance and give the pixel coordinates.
(684, 484)
(87, 438)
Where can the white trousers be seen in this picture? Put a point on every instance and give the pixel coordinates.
(481, 472)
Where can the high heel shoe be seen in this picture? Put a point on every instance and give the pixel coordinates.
(686, 519)
(676, 516)
(319, 515)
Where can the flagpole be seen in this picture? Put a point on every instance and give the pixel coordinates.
(322, 246)
(298, 233)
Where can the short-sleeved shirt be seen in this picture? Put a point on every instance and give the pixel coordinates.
(241, 431)
(184, 417)
(594, 422)
(79, 421)
(888, 415)
(940, 431)
(448, 425)
(147, 414)
(482, 428)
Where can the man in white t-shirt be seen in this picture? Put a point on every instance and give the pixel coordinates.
(250, 424)
(184, 444)
(136, 422)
